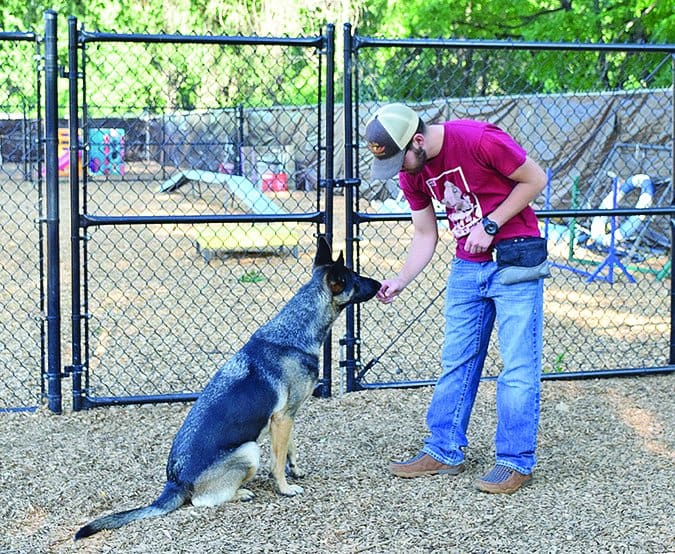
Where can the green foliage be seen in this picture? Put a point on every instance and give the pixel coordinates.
(251, 276)
(17, 76)
(479, 72)
(559, 363)
(167, 81)
(529, 20)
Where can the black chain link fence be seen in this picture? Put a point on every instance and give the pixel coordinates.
(592, 117)
(206, 168)
(21, 209)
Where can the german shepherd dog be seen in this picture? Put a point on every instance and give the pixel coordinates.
(259, 390)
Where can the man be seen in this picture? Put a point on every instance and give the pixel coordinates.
(486, 182)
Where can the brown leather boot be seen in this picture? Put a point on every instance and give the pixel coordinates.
(421, 465)
(503, 480)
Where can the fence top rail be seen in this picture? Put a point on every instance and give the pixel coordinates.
(306, 42)
(91, 220)
(17, 35)
(541, 214)
(370, 42)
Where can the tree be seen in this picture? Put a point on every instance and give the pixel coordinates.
(467, 71)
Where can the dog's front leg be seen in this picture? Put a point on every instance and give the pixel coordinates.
(280, 438)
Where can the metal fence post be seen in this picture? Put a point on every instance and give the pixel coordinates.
(671, 356)
(52, 181)
(76, 304)
(349, 340)
(324, 388)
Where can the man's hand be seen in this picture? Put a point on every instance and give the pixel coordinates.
(389, 290)
(478, 240)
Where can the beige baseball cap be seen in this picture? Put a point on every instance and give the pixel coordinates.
(388, 132)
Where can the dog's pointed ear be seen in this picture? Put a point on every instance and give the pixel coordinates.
(323, 253)
(341, 259)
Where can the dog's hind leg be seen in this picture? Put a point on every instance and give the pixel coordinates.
(292, 467)
(222, 481)
(280, 437)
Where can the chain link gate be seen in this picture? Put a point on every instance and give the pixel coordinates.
(22, 227)
(608, 303)
(201, 201)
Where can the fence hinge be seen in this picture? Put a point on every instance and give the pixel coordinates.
(76, 369)
(349, 341)
(351, 182)
(339, 183)
(68, 370)
(66, 74)
(71, 369)
(349, 362)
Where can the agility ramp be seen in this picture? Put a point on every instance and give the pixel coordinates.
(212, 239)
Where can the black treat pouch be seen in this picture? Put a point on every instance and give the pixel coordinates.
(522, 259)
(523, 251)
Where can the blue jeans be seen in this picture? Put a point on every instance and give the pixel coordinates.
(474, 298)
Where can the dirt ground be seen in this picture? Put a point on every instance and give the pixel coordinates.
(605, 480)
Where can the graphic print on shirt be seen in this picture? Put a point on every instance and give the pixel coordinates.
(452, 190)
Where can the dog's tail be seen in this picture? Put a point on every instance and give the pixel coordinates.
(173, 497)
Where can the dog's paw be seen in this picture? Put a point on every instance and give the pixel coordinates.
(244, 495)
(291, 490)
(294, 471)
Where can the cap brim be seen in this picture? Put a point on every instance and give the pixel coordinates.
(386, 169)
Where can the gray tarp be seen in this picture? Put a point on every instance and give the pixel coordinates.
(569, 134)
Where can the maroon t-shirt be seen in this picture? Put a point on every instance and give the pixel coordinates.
(471, 172)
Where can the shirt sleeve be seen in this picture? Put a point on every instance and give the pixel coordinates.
(500, 151)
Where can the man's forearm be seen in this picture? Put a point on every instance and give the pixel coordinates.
(419, 255)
